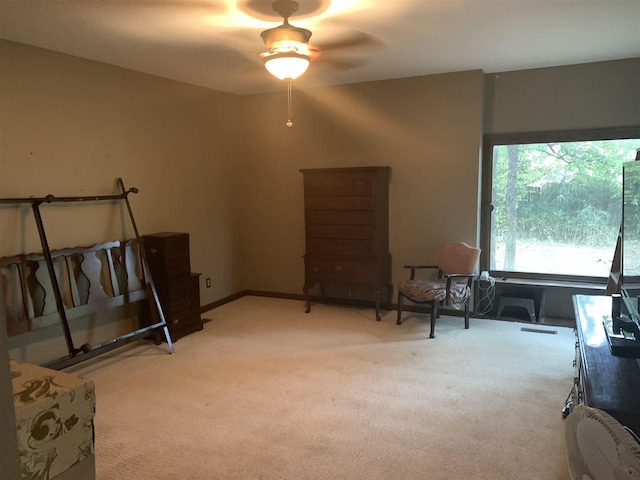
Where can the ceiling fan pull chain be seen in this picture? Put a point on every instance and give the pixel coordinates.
(289, 103)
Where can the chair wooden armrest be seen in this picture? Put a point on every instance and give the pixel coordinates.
(468, 276)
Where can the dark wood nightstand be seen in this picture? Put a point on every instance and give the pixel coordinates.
(178, 288)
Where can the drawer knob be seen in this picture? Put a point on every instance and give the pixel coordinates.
(338, 268)
(316, 269)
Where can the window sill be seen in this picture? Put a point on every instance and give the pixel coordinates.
(534, 282)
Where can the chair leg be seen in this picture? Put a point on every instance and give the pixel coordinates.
(400, 301)
(434, 314)
(466, 315)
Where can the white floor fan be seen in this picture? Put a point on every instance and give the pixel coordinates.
(599, 447)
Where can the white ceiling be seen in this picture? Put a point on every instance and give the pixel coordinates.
(215, 43)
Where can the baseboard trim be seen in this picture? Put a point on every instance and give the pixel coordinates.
(264, 293)
(328, 300)
(222, 301)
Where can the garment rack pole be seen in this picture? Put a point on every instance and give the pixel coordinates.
(86, 350)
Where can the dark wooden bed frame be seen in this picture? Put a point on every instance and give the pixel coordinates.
(55, 287)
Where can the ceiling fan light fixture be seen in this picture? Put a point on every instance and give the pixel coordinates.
(288, 56)
(285, 33)
(286, 65)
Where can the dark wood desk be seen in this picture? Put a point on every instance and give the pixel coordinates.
(602, 380)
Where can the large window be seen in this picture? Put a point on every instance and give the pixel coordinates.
(553, 204)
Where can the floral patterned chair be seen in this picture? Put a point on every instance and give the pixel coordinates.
(456, 269)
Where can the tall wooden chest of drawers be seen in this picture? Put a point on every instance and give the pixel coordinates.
(347, 229)
(178, 288)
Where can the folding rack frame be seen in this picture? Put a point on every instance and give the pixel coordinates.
(85, 352)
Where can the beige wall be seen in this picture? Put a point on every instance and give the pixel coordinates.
(427, 129)
(72, 127)
(591, 95)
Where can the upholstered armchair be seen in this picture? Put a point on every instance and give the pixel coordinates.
(455, 272)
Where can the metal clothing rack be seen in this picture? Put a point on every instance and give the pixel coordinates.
(86, 351)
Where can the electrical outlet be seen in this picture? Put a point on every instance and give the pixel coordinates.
(208, 282)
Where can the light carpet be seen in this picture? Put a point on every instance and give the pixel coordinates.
(269, 392)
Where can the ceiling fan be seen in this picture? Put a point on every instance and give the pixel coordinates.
(288, 45)
(288, 51)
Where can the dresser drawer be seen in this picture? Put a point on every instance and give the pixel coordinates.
(338, 203)
(184, 323)
(363, 232)
(176, 321)
(181, 304)
(364, 272)
(340, 247)
(322, 184)
(322, 269)
(361, 183)
(336, 217)
(337, 270)
(318, 184)
(172, 267)
(180, 294)
(167, 254)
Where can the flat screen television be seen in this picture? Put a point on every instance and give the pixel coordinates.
(623, 332)
(630, 234)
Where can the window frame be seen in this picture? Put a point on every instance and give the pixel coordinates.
(492, 140)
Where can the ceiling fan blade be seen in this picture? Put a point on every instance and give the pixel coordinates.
(340, 64)
(356, 39)
(346, 53)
